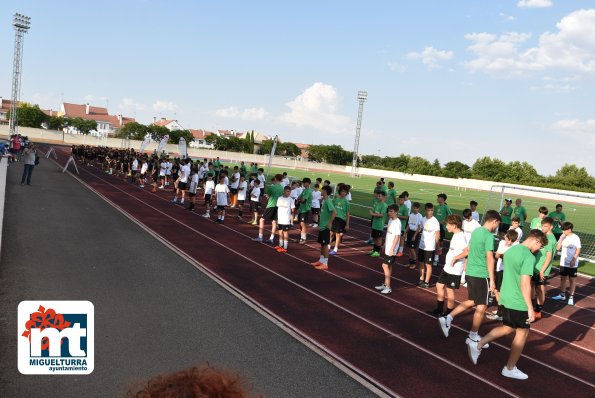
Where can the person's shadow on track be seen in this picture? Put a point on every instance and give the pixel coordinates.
(570, 332)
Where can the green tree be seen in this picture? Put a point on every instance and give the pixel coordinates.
(175, 135)
(371, 161)
(84, 126)
(487, 168)
(29, 115)
(419, 165)
(288, 149)
(157, 132)
(456, 170)
(133, 131)
(333, 154)
(58, 122)
(521, 173)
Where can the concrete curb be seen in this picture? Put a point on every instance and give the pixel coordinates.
(3, 172)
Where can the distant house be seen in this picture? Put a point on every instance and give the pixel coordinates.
(107, 125)
(304, 150)
(258, 139)
(4, 108)
(199, 139)
(170, 124)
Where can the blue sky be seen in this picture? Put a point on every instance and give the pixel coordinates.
(453, 80)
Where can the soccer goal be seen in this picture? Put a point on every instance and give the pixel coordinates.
(578, 208)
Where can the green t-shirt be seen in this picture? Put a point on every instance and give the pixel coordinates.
(391, 197)
(326, 211)
(307, 204)
(275, 191)
(482, 241)
(384, 188)
(519, 261)
(216, 165)
(541, 254)
(253, 169)
(441, 212)
(521, 213)
(378, 222)
(536, 223)
(243, 169)
(559, 218)
(342, 207)
(506, 214)
(403, 211)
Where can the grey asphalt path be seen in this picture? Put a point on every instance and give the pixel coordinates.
(154, 312)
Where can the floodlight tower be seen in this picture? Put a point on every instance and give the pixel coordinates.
(21, 25)
(361, 97)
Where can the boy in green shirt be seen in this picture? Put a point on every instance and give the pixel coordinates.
(327, 215)
(305, 205)
(479, 275)
(391, 196)
(378, 214)
(275, 190)
(377, 190)
(520, 212)
(515, 297)
(341, 221)
(559, 218)
(543, 265)
(403, 215)
(536, 222)
(506, 214)
(441, 211)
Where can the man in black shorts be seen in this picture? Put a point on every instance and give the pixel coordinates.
(515, 297)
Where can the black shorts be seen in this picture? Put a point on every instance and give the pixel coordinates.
(284, 227)
(537, 280)
(233, 191)
(208, 198)
(143, 175)
(424, 256)
(304, 217)
(162, 177)
(338, 225)
(515, 319)
(183, 186)
(449, 280)
(390, 260)
(324, 236)
(241, 202)
(376, 233)
(567, 271)
(478, 289)
(442, 232)
(410, 242)
(254, 206)
(499, 277)
(270, 214)
(316, 210)
(221, 207)
(503, 228)
(192, 194)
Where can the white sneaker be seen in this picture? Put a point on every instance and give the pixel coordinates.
(206, 215)
(477, 341)
(380, 287)
(472, 350)
(386, 290)
(571, 300)
(559, 297)
(444, 325)
(515, 373)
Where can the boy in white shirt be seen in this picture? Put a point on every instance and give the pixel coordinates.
(430, 236)
(255, 200)
(474, 212)
(391, 245)
(470, 224)
(242, 191)
(285, 210)
(316, 196)
(182, 185)
(510, 239)
(285, 180)
(412, 232)
(233, 187)
(450, 277)
(570, 244)
(134, 169)
(407, 202)
(194, 182)
(168, 166)
(209, 188)
(162, 172)
(223, 198)
(143, 172)
(516, 225)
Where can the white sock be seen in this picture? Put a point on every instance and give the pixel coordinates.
(336, 249)
(473, 335)
(321, 258)
(450, 318)
(303, 236)
(285, 244)
(401, 249)
(182, 201)
(260, 236)
(436, 258)
(222, 218)
(324, 261)
(272, 237)
(280, 243)
(175, 199)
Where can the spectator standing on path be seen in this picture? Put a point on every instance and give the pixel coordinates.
(29, 160)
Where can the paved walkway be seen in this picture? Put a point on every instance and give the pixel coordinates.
(154, 312)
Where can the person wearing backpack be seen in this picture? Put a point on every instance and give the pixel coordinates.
(30, 159)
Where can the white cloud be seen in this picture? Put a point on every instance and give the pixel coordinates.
(572, 48)
(396, 67)
(161, 106)
(128, 104)
(507, 18)
(431, 56)
(317, 106)
(581, 134)
(534, 3)
(234, 112)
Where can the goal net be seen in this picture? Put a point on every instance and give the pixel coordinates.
(578, 208)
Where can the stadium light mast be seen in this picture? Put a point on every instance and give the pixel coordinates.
(21, 25)
(361, 97)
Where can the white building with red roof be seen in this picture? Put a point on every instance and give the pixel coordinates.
(107, 125)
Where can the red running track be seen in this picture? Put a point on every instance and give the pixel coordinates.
(389, 341)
